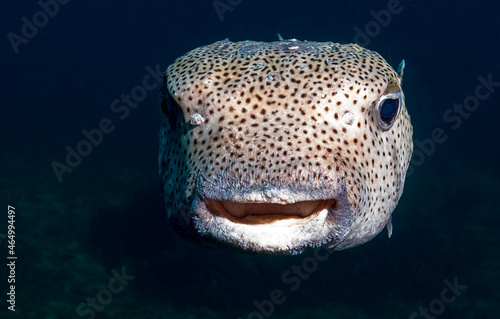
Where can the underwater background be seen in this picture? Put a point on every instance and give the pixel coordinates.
(95, 242)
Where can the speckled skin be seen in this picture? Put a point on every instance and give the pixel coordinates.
(281, 122)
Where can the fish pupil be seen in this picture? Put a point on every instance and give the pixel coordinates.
(388, 109)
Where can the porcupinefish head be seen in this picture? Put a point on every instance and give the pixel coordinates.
(282, 147)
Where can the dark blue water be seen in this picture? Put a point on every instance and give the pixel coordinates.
(93, 241)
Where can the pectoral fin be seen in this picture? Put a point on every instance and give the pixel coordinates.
(389, 227)
(401, 69)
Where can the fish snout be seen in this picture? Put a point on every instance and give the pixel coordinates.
(271, 216)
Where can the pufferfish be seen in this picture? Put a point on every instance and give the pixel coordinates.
(282, 147)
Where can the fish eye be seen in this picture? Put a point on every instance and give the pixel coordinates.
(388, 109)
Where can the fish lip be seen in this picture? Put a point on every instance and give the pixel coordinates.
(283, 235)
(288, 187)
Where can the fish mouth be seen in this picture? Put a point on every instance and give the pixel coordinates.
(251, 213)
(271, 227)
(283, 214)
